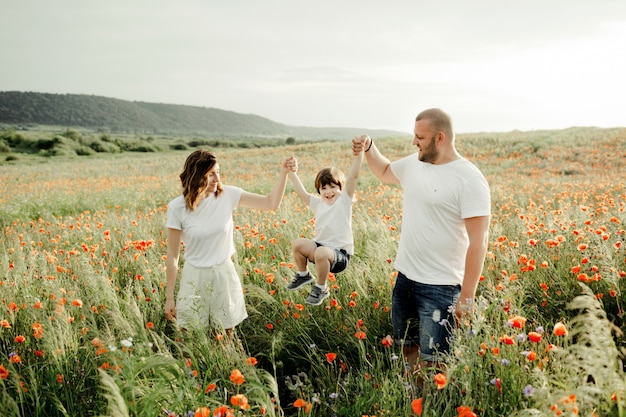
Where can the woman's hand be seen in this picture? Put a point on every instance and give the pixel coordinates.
(170, 310)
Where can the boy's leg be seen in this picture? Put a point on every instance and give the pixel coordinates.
(302, 251)
(324, 258)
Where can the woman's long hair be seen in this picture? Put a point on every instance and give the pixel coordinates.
(194, 176)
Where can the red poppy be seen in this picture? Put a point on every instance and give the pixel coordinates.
(416, 406)
(237, 377)
(559, 330)
(440, 380)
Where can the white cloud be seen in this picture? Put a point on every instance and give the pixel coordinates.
(493, 65)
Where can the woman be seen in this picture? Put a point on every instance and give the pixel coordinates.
(210, 292)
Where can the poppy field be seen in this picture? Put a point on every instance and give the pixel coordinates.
(82, 290)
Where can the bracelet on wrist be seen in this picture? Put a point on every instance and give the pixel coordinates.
(371, 142)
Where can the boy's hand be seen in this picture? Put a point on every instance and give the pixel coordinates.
(360, 143)
(291, 164)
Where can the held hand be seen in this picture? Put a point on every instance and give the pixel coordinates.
(291, 164)
(360, 143)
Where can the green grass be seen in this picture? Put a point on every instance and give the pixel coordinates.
(82, 257)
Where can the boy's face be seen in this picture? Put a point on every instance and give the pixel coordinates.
(330, 193)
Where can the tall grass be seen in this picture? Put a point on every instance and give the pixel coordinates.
(82, 331)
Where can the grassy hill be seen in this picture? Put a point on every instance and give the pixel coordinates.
(18, 109)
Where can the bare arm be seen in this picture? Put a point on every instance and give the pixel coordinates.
(299, 188)
(353, 174)
(378, 163)
(171, 271)
(478, 232)
(273, 199)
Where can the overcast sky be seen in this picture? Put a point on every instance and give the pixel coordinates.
(493, 65)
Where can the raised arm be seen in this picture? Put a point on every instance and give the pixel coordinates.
(273, 199)
(299, 188)
(353, 174)
(378, 163)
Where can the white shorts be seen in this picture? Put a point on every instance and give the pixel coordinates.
(210, 296)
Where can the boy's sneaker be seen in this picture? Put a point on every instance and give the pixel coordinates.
(298, 281)
(316, 296)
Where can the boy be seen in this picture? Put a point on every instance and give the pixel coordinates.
(333, 245)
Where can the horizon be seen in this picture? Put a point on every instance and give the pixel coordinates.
(320, 127)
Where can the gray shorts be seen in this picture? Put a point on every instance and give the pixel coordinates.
(342, 259)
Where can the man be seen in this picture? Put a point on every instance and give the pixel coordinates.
(443, 240)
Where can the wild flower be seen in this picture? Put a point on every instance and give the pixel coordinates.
(387, 341)
(202, 412)
(416, 406)
(440, 380)
(240, 400)
(559, 329)
(4, 373)
(465, 411)
(127, 343)
(517, 322)
(237, 377)
(528, 391)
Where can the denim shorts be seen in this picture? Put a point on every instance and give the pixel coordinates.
(342, 258)
(423, 314)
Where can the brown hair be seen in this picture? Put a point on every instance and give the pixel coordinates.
(439, 120)
(194, 176)
(329, 176)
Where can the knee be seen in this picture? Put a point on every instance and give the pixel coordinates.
(323, 254)
(297, 244)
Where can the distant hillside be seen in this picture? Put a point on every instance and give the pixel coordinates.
(120, 116)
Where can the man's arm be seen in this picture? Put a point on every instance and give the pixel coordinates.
(378, 163)
(478, 233)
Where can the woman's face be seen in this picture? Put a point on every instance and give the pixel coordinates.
(212, 179)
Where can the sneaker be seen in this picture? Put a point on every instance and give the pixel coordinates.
(316, 296)
(298, 281)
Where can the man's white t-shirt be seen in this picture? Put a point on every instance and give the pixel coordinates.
(207, 231)
(333, 222)
(436, 200)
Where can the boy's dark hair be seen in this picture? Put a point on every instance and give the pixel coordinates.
(329, 176)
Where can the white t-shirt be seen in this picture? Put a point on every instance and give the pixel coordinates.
(333, 222)
(207, 231)
(436, 200)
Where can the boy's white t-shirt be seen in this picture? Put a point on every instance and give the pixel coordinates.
(333, 222)
(436, 200)
(207, 231)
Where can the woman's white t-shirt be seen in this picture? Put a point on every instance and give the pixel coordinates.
(207, 231)
(333, 222)
(436, 201)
